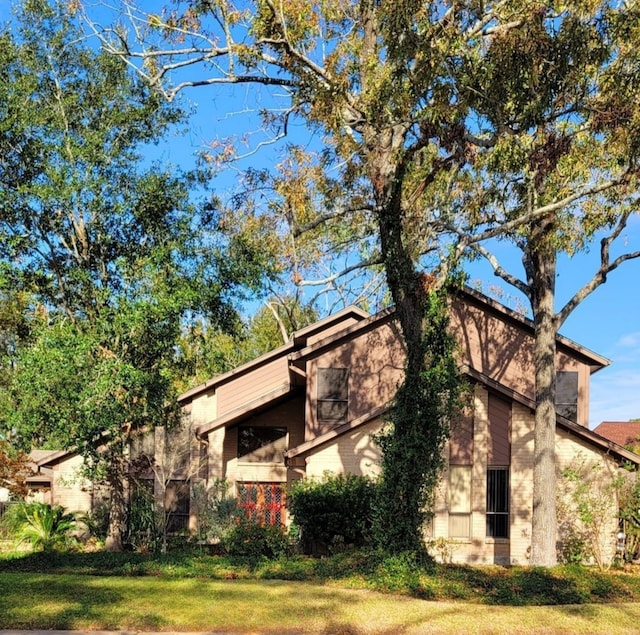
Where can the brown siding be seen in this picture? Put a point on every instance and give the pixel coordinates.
(461, 440)
(375, 360)
(246, 388)
(503, 350)
(289, 414)
(499, 446)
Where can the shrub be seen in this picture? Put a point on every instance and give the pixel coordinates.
(218, 512)
(333, 513)
(43, 526)
(248, 539)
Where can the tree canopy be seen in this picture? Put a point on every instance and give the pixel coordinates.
(108, 256)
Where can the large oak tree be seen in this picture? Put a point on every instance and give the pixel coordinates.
(107, 247)
(437, 126)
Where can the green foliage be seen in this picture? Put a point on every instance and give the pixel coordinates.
(107, 257)
(587, 513)
(218, 511)
(629, 513)
(412, 444)
(334, 512)
(253, 541)
(142, 532)
(401, 573)
(43, 526)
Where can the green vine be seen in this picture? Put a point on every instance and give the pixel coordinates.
(418, 427)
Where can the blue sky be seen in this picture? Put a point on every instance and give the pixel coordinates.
(608, 322)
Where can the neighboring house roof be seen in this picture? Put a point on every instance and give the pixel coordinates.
(620, 432)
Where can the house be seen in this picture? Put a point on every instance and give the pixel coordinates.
(624, 433)
(314, 405)
(57, 480)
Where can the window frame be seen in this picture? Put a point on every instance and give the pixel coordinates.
(241, 454)
(460, 501)
(565, 380)
(332, 394)
(498, 515)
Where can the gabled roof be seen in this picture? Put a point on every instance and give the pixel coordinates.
(301, 348)
(298, 340)
(593, 438)
(620, 432)
(594, 360)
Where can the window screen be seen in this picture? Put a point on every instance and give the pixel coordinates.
(333, 394)
(567, 394)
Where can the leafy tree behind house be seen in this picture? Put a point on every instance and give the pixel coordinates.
(111, 249)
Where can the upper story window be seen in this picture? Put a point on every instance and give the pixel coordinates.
(333, 394)
(567, 394)
(262, 444)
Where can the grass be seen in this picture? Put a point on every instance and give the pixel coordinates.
(350, 594)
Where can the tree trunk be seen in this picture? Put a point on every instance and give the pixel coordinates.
(118, 507)
(541, 270)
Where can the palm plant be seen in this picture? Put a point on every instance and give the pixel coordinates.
(44, 527)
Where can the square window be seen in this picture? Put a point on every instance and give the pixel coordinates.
(262, 444)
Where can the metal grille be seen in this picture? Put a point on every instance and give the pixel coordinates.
(498, 502)
(263, 503)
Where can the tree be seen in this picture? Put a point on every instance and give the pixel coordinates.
(428, 115)
(113, 251)
(14, 470)
(575, 132)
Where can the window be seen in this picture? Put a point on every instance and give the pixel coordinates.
(567, 394)
(460, 501)
(498, 502)
(263, 503)
(333, 394)
(262, 444)
(176, 506)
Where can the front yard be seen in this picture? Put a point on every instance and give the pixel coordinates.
(352, 594)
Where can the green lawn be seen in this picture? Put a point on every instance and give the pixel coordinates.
(353, 594)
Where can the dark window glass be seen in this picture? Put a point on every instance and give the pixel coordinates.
(567, 394)
(333, 394)
(176, 506)
(251, 438)
(498, 502)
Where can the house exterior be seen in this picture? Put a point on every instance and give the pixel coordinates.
(313, 405)
(57, 480)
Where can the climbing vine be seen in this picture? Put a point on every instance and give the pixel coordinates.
(418, 427)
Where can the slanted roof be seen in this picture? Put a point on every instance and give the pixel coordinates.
(298, 340)
(582, 353)
(620, 432)
(593, 438)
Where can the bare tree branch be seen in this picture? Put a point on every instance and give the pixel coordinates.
(600, 276)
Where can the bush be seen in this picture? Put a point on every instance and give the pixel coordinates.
(251, 540)
(333, 513)
(44, 527)
(218, 511)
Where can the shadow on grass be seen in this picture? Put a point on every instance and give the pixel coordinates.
(401, 574)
